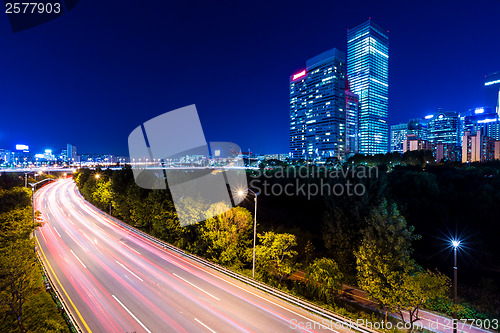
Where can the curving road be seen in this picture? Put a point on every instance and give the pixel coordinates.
(116, 281)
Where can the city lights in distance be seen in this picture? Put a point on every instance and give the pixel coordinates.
(299, 75)
(23, 147)
(479, 110)
(429, 116)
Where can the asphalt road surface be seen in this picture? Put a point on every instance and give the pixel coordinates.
(116, 281)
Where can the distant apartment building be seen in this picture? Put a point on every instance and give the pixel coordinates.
(418, 127)
(412, 142)
(477, 147)
(446, 152)
(398, 135)
(317, 108)
(368, 75)
(483, 119)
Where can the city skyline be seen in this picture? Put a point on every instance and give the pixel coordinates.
(146, 71)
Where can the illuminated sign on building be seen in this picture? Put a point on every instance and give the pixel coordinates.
(299, 75)
(491, 82)
(484, 121)
(22, 147)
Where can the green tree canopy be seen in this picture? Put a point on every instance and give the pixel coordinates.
(384, 254)
(324, 278)
(274, 257)
(228, 235)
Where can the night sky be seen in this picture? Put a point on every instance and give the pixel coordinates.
(92, 75)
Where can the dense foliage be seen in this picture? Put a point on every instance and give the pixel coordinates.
(24, 304)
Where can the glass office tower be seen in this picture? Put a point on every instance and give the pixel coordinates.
(317, 108)
(368, 75)
(445, 127)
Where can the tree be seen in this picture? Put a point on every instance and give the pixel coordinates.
(17, 277)
(102, 193)
(227, 235)
(413, 289)
(15, 224)
(275, 256)
(324, 278)
(384, 254)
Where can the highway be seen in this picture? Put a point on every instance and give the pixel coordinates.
(114, 280)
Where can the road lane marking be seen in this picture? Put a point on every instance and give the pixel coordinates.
(128, 270)
(57, 232)
(88, 238)
(267, 300)
(141, 238)
(128, 246)
(78, 258)
(209, 294)
(64, 290)
(208, 328)
(130, 313)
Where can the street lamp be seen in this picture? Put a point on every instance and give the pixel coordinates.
(97, 176)
(241, 193)
(455, 243)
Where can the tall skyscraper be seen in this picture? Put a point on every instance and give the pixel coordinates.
(368, 75)
(317, 108)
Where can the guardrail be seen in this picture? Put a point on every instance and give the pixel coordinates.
(313, 308)
(72, 323)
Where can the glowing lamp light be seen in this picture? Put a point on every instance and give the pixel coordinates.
(298, 75)
(455, 243)
(240, 193)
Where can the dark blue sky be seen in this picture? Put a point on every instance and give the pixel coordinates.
(93, 75)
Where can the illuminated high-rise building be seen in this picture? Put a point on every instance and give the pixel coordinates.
(445, 127)
(368, 75)
(317, 108)
(492, 91)
(351, 121)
